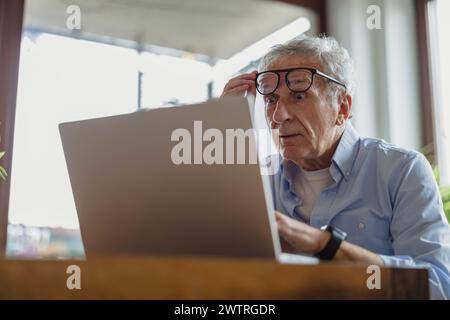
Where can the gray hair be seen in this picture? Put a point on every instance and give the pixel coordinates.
(332, 57)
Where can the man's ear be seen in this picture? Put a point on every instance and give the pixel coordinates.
(345, 107)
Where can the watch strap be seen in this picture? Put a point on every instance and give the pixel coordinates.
(332, 246)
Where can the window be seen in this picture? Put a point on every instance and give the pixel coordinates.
(120, 61)
(65, 79)
(440, 65)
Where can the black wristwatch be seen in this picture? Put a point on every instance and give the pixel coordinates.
(332, 246)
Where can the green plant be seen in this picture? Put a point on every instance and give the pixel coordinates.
(429, 153)
(3, 173)
(445, 194)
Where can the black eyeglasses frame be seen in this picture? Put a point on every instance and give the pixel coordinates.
(313, 73)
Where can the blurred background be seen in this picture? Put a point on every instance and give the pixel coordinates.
(94, 58)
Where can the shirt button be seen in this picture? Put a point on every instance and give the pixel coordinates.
(361, 226)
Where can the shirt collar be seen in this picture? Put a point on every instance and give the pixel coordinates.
(343, 158)
(345, 155)
(290, 170)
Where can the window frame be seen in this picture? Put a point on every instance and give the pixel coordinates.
(11, 20)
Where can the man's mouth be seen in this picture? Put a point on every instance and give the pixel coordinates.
(288, 135)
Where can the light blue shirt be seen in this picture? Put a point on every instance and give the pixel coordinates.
(386, 199)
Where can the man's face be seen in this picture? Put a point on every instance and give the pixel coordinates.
(307, 122)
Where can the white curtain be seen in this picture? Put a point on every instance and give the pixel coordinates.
(387, 100)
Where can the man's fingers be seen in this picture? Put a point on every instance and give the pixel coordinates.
(281, 218)
(234, 86)
(286, 227)
(236, 91)
(283, 226)
(251, 76)
(278, 215)
(286, 246)
(289, 222)
(285, 231)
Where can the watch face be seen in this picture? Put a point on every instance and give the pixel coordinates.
(343, 234)
(331, 229)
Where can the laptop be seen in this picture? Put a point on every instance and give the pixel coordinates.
(143, 183)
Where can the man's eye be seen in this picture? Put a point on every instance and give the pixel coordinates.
(299, 96)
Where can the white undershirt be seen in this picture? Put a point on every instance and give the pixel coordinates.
(308, 185)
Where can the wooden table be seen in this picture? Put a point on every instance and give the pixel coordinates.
(203, 278)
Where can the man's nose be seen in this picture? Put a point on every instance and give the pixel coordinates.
(282, 111)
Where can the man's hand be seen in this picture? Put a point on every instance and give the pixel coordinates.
(298, 237)
(240, 85)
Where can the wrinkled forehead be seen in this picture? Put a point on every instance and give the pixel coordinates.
(293, 61)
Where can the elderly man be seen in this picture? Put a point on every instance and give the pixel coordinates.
(380, 203)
